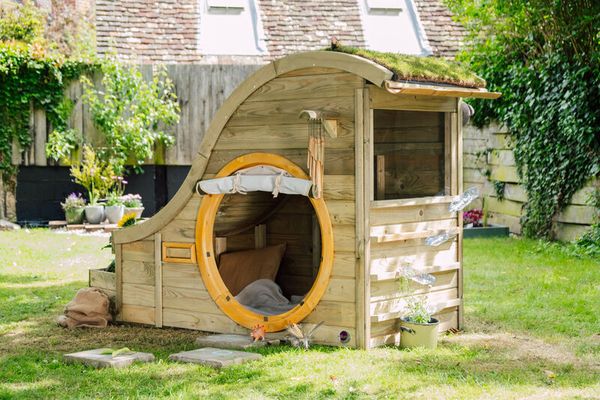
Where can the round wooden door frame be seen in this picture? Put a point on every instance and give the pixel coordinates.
(208, 267)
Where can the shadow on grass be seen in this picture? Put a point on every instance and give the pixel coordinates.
(305, 374)
(20, 279)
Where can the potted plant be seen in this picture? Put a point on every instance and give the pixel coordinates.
(74, 207)
(419, 328)
(133, 204)
(115, 208)
(95, 176)
(476, 225)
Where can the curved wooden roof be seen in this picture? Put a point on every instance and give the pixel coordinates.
(362, 67)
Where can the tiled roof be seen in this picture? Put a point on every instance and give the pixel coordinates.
(300, 25)
(167, 31)
(146, 31)
(445, 36)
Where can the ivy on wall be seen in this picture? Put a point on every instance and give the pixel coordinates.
(545, 59)
(32, 75)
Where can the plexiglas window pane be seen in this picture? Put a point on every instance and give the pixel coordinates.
(408, 154)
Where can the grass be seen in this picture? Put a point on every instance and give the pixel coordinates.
(419, 69)
(529, 309)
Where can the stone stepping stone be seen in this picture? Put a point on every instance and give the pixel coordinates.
(235, 342)
(212, 357)
(94, 358)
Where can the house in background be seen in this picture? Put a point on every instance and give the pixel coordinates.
(211, 46)
(256, 31)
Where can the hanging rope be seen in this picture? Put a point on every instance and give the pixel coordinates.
(316, 155)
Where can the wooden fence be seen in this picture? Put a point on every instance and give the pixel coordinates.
(200, 89)
(489, 149)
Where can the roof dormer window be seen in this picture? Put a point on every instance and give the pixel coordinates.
(384, 6)
(234, 6)
(230, 27)
(393, 26)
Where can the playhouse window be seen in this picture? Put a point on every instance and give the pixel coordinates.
(409, 154)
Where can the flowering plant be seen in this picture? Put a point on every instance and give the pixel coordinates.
(473, 217)
(94, 175)
(73, 201)
(132, 200)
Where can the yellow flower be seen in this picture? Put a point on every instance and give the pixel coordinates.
(127, 220)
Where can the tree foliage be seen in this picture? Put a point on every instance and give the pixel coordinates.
(131, 112)
(31, 75)
(544, 56)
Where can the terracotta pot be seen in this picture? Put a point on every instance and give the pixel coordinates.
(114, 213)
(419, 335)
(74, 215)
(94, 214)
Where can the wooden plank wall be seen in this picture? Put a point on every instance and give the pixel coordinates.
(572, 222)
(200, 89)
(398, 228)
(267, 121)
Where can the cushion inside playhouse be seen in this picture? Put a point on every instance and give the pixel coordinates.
(241, 268)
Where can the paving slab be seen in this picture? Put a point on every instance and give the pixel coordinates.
(94, 358)
(230, 341)
(213, 357)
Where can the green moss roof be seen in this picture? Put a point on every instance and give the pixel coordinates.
(418, 69)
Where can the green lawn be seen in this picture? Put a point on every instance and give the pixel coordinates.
(530, 311)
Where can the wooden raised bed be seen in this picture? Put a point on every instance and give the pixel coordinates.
(104, 280)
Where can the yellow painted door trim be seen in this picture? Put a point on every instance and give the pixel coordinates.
(208, 266)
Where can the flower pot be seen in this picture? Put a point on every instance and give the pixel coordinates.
(114, 213)
(419, 335)
(74, 215)
(94, 214)
(137, 210)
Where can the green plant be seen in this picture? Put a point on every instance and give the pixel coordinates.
(545, 59)
(94, 175)
(31, 76)
(73, 201)
(132, 200)
(24, 23)
(131, 112)
(417, 310)
(113, 199)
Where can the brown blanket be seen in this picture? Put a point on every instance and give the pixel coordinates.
(89, 308)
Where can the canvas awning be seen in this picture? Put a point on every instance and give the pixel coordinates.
(261, 178)
(438, 90)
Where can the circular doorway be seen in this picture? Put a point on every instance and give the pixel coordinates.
(207, 263)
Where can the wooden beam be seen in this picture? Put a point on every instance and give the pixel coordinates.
(443, 91)
(380, 183)
(158, 292)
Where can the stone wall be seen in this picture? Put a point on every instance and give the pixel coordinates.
(488, 151)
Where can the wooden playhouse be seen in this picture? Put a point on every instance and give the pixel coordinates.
(384, 159)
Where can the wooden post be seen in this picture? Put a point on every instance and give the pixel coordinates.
(118, 281)
(380, 195)
(158, 292)
(459, 166)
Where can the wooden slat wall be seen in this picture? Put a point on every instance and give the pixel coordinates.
(268, 121)
(200, 89)
(572, 222)
(387, 300)
(398, 228)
